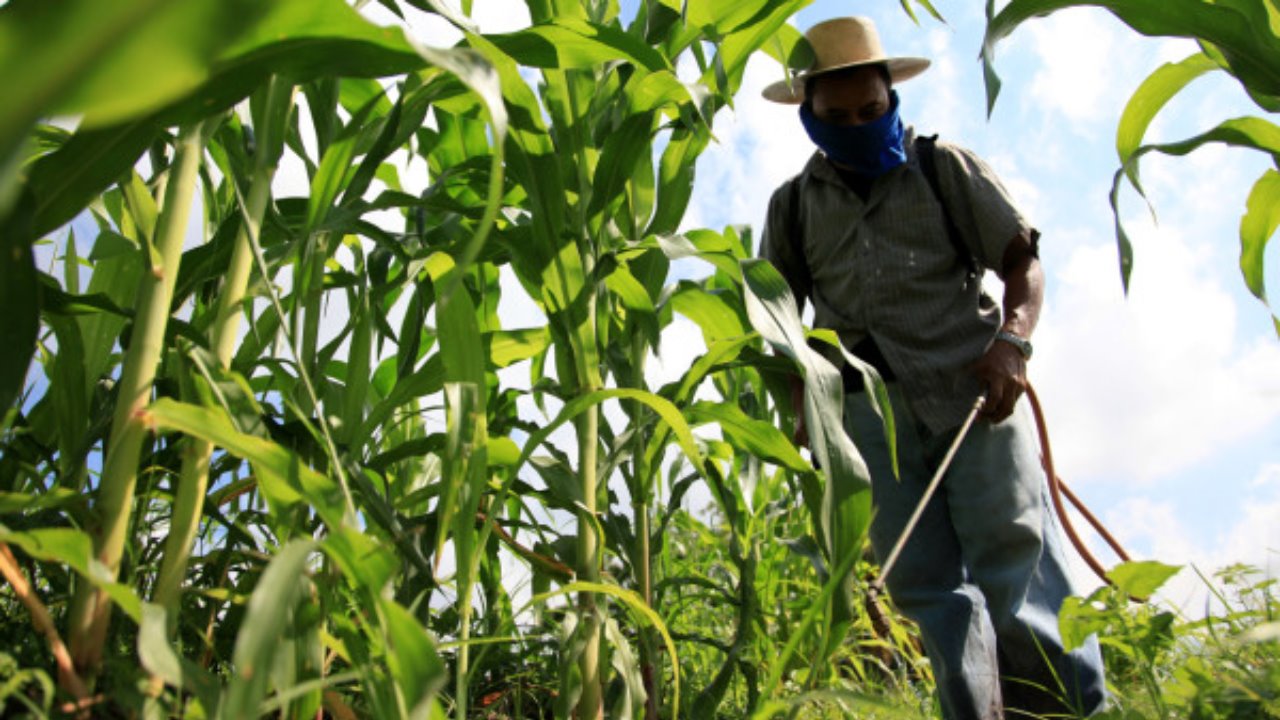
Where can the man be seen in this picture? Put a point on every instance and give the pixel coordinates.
(862, 234)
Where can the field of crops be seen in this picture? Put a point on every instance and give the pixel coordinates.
(281, 454)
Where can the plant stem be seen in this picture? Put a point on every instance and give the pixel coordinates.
(194, 479)
(91, 609)
(68, 679)
(590, 705)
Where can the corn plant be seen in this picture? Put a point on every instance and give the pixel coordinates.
(1237, 37)
(266, 448)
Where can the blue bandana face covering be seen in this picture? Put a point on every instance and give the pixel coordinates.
(872, 149)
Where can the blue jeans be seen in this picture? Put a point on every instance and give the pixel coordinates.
(983, 574)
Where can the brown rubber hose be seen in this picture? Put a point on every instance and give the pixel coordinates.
(1057, 488)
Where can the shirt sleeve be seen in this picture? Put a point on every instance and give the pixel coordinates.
(783, 251)
(980, 205)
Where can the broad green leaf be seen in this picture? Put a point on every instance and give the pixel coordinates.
(1152, 95)
(628, 290)
(675, 180)
(846, 496)
(282, 476)
(1253, 57)
(367, 564)
(507, 347)
(109, 62)
(717, 317)
(1141, 578)
(74, 548)
(158, 657)
(1248, 132)
(622, 150)
(275, 598)
(571, 44)
(63, 182)
(1261, 218)
(758, 437)
(418, 671)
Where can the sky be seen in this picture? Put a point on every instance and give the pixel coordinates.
(1163, 405)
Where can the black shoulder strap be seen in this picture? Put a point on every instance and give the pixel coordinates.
(926, 146)
(795, 236)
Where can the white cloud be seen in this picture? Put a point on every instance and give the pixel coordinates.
(1083, 73)
(1154, 528)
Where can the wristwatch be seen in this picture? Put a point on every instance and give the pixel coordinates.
(1023, 344)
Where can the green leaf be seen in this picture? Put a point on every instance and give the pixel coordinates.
(274, 600)
(718, 318)
(1248, 132)
(158, 657)
(417, 669)
(640, 610)
(109, 62)
(846, 496)
(1142, 578)
(1234, 28)
(758, 437)
(1261, 218)
(366, 563)
(507, 347)
(1152, 95)
(624, 147)
(572, 44)
(74, 548)
(282, 476)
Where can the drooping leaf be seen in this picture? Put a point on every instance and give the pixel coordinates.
(760, 438)
(569, 44)
(1248, 132)
(1261, 218)
(1253, 57)
(1152, 95)
(417, 669)
(109, 62)
(282, 476)
(74, 548)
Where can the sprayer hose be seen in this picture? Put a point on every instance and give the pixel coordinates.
(1057, 488)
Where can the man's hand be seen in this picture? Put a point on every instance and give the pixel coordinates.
(1004, 371)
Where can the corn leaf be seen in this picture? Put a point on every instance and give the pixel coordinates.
(282, 476)
(1261, 218)
(274, 600)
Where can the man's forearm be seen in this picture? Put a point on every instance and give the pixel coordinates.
(1023, 288)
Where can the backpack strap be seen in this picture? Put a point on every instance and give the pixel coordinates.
(926, 150)
(795, 236)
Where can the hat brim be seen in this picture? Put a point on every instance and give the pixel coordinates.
(792, 93)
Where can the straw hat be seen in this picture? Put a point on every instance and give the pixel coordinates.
(843, 43)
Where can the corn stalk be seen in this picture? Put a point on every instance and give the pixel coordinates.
(91, 610)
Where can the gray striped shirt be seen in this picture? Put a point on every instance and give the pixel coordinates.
(885, 268)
